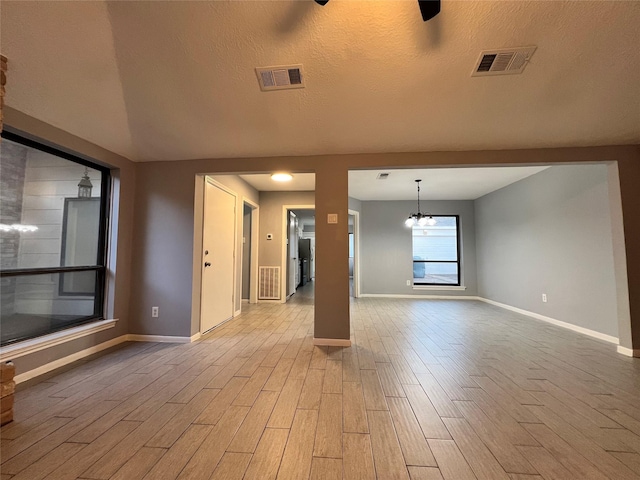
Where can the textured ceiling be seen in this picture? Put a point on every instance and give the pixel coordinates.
(437, 183)
(175, 80)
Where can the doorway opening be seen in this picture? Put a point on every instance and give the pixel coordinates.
(354, 280)
(298, 250)
(249, 254)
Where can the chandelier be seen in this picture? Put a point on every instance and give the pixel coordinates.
(419, 218)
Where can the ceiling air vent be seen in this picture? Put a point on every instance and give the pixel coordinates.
(280, 78)
(506, 61)
(382, 176)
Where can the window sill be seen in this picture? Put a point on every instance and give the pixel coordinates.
(440, 288)
(33, 345)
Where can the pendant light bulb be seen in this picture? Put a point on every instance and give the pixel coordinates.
(431, 221)
(409, 222)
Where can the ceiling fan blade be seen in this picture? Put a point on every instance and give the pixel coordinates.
(321, 2)
(428, 8)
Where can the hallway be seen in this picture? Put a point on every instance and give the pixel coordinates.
(430, 389)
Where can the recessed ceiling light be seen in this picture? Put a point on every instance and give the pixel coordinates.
(282, 177)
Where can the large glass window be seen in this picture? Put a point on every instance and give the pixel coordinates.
(53, 224)
(436, 252)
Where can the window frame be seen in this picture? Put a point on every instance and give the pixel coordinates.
(458, 260)
(102, 254)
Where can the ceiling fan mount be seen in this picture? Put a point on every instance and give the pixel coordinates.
(428, 8)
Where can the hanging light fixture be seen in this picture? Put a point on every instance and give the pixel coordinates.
(85, 185)
(419, 218)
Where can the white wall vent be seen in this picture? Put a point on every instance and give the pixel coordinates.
(280, 78)
(382, 176)
(506, 61)
(269, 283)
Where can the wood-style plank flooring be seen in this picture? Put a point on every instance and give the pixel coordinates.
(430, 389)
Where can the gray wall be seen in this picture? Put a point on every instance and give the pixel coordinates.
(551, 233)
(386, 260)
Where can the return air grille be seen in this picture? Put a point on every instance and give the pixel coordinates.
(280, 78)
(269, 287)
(508, 61)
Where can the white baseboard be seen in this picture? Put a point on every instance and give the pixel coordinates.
(160, 338)
(432, 297)
(61, 362)
(331, 342)
(559, 323)
(628, 351)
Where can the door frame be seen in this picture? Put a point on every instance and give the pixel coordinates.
(255, 236)
(283, 259)
(198, 239)
(356, 252)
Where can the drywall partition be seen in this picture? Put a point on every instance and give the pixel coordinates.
(551, 234)
(120, 243)
(386, 258)
(331, 285)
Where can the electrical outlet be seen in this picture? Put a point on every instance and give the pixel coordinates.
(408, 283)
(544, 297)
(155, 312)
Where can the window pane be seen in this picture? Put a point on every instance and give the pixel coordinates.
(438, 242)
(43, 221)
(438, 273)
(34, 305)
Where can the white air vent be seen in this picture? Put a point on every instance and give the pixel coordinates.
(382, 176)
(280, 78)
(269, 283)
(506, 61)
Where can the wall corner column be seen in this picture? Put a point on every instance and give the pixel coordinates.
(629, 179)
(331, 320)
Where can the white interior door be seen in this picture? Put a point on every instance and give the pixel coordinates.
(218, 257)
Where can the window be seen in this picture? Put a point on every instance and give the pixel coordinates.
(53, 224)
(436, 252)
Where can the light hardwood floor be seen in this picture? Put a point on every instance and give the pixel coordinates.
(429, 390)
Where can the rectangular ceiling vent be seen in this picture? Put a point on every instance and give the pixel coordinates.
(382, 176)
(280, 78)
(506, 61)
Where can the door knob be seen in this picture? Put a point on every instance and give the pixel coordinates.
(207, 264)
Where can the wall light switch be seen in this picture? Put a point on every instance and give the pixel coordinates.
(332, 218)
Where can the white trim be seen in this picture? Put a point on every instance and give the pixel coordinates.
(440, 288)
(61, 362)
(28, 347)
(160, 338)
(331, 342)
(356, 252)
(628, 351)
(559, 323)
(432, 297)
(237, 312)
